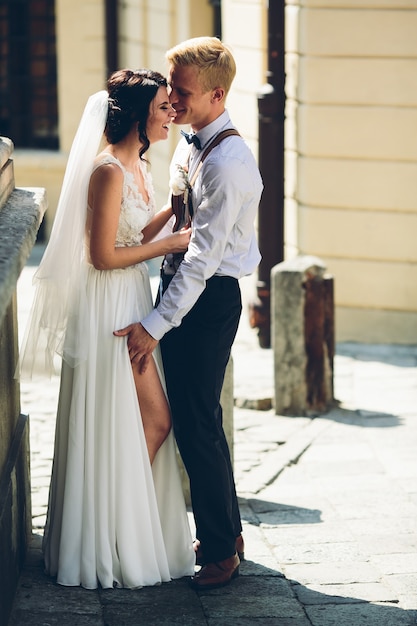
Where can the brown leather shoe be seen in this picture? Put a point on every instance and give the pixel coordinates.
(240, 547)
(215, 575)
(199, 556)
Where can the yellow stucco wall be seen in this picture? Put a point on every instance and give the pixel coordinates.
(244, 30)
(147, 28)
(352, 157)
(81, 60)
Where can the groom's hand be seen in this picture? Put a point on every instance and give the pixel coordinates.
(140, 344)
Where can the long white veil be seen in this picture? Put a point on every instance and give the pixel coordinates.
(57, 312)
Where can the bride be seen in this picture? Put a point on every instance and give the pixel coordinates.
(116, 513)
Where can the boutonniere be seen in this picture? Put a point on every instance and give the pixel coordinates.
(179, 182)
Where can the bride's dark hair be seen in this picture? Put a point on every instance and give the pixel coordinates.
(130, 95)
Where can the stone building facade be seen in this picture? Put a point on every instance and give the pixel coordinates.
(351, 121)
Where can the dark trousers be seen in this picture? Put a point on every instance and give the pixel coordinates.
(195, 357)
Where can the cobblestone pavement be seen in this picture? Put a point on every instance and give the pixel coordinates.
(329, 505)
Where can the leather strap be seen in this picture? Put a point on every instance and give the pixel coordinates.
(215, 142)
(177, 202)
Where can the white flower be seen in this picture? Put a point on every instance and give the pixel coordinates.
(179, 181)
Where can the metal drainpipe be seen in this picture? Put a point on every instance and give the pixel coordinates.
(111, 25)
(217, 17)
(271, 107)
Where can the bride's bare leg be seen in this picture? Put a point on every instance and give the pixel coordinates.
(154, 408)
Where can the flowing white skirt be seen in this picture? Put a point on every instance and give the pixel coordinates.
(112, 519)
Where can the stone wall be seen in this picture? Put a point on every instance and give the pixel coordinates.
(21, 212)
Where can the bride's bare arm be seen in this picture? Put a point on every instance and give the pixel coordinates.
(105, 199)
(156, 224)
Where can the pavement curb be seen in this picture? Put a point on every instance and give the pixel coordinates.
(285, 455)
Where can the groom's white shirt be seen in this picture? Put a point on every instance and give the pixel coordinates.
(225, 199)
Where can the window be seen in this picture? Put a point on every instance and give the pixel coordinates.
(28, 82)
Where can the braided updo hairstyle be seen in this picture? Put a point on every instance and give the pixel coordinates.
(130, 95)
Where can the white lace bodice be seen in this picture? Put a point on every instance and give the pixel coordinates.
(135, 212)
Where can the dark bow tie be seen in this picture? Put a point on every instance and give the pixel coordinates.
(192, 138)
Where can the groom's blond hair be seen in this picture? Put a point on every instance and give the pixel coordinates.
(213, 59)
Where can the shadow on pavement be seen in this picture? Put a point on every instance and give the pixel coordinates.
(364, 418)
(387, 354)
(276, 514)
(260, 595)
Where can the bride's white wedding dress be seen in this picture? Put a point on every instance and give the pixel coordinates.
(113, 520)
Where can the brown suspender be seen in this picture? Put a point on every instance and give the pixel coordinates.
(178, 201)
(178, 205)
(215, 142)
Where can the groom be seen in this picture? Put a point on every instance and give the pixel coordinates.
(198, 314)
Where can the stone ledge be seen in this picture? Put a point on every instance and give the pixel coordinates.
(15, 515)
(6, 149)
(20, 218)
(6, 170)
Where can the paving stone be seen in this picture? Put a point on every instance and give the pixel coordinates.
(360, 507)
(337, 452)
(38, 593)
(251, 597)
(338, 488)
(404, 584)
(264, 621)
(294, 515)
(385, 544)
(389, 525)
(307, 534)
(363, 614)
(255, 544)
(396, 563)
(164, 605)
(331, 573)
(264, 565)
(344, 470)
(41, 618)
(409, 602)
(319, 552)
(344, 594)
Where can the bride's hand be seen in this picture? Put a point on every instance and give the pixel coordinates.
(179, 241)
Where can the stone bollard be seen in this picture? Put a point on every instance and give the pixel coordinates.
(302, 313)
(21, 211)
